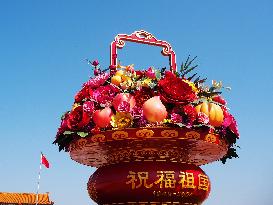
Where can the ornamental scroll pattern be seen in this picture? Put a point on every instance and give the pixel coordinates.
(192, 135)
(210, 138)
(127, 145)
(98, 138)
(79, 144)
(144, 133)
(120, 135)
(169, 133)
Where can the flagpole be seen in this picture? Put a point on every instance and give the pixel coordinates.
(39, 177)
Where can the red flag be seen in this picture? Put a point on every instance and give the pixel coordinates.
(44, 161)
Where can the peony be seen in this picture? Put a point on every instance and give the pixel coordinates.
(105, 94)
(77, 118)
(175, 90)
(176, 118)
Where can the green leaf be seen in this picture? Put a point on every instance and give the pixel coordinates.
(190, 69)
(190, 78)
(82, 134)
(180, 124)
(196, 80)
(191, 61)
(68, 133)
(158, 74)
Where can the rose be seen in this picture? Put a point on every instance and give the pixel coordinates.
(175, 90)
(78, 118)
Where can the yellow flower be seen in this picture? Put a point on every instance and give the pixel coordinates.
(75, 105)
(146, 82)
(121, 120)
(194, 88)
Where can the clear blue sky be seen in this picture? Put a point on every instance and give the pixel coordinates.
(43, 45)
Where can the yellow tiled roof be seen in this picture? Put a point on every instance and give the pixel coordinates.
(24, 198)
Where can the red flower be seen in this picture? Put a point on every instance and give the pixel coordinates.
(78, 118)
(139, 73)
(82, 94)
(174, 90)
(63, 127)
(219, 99)
(142, 95)
(190, 113)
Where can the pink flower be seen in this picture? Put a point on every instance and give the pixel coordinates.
(150, 73)
(230, 122)
(202, 118)
(88, 107)
(123, 107)
(96, 71)
(104, 94)
(176, 118)
(95, 63)
(137, 112)
(97, 81)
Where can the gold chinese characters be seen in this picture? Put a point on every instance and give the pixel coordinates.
(168, 179)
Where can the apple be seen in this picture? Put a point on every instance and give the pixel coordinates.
(154, 110)
(102, 117)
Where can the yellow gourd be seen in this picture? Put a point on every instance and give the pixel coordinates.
(213, 111)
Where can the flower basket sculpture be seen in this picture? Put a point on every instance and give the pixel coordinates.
(148, 131)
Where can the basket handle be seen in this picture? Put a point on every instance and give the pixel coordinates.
(140, 37)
